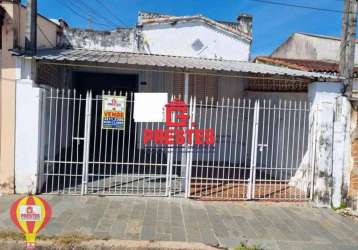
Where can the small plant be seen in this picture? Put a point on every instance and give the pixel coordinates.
(244, 246)
(343, 205)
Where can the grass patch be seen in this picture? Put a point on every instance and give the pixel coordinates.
(341, 206)
(243, 246)
(5, 235)
(71, 239)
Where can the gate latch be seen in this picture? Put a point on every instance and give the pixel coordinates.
(78, 139)
(261, 146)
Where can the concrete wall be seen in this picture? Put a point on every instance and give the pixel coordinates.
(301, 46)
(27, 143)
(13, 32)
(9, 75)
(46, 31)
(123, 40)
(330, 138)
(194, 39)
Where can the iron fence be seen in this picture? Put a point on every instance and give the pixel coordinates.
(261, 150)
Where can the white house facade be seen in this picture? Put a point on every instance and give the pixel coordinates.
(196, 36)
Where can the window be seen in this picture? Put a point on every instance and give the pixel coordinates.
(200, 86)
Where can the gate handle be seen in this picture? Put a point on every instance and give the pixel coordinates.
(78, 139)
(261, 146)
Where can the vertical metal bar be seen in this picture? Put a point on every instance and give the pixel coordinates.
(86, 143)
(100, 149)
(155, 168)
(197, 150)
(72, 135)
(84, 149)
(262, 147)
(129, 144)
(257, 110)
(283, 143)
(78, 142)
(241, 149)
(60, 145)
(169, 166)
(134, 149)
(117, 153)
(105, 165)
(294, 164)
(54, 143)
(208, 151)
(230, 146)
(272, 148)
(162, 168)
(184, 155)
(236, 165)
(94, 143)
(268, 138)
(278, 144)
(267, 169)
(201, 177)
(287, 147)
(140, 146)
(225, 167)
(298, 139)
(66, 142)
(123, 143)
(49, 142)
(218, 179)
(246, 147)
(189, 149)
(251, 188)
(150, 165)
(111, 158)
(214, 155)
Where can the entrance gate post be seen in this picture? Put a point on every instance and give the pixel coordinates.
(253, 158)
(86, 141)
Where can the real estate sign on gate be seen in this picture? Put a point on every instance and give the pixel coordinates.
(113, 112)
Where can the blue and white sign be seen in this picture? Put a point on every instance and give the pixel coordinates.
(113, 112)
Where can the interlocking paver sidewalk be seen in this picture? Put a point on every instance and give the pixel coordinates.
(227, 224)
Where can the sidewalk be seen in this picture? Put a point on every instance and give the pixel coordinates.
(225, 224)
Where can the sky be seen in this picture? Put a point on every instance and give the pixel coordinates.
(272, 24)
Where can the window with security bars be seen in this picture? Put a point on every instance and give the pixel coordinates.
(285, 85)
(200, 86)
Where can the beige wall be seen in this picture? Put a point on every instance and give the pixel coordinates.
(14, 30)
(46, 31)
(7, 101)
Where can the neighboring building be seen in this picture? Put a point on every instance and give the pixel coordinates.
(318, 53)
(311, 47)
(12, 22)
(310, 65)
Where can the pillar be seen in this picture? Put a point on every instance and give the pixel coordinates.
(329, 130)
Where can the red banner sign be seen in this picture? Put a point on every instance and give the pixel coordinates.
(178, 131)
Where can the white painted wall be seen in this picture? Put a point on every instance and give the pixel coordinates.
(329, 143)
(27, 136)
(178, 39)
